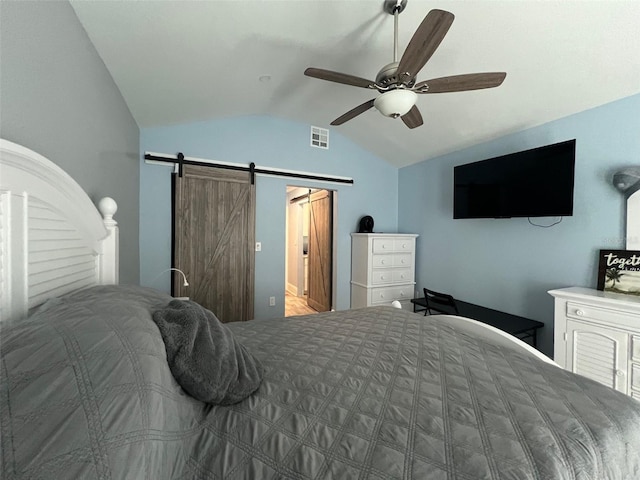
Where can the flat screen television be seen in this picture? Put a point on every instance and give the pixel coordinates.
(531, 183)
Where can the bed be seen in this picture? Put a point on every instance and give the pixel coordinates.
(377, 393)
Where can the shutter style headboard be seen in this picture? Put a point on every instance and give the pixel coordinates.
(53, 240)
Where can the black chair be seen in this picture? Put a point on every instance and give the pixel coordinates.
(436, 301)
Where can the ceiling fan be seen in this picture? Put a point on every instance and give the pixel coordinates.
(396, 81)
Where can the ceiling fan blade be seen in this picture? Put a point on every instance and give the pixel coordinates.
(412, 118)
(424, 43)
(353, 112)
(460, 83)
(339, 77)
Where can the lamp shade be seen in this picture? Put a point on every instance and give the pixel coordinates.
(395, 103)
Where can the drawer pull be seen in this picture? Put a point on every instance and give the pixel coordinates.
(402, 275)
(620, 373)
(381, 262)
(404, 245)
(402, 261)
(579, 312)
(381, 277)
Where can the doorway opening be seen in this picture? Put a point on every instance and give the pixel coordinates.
(310, 250)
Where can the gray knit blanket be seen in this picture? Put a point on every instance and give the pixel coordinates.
(204, 356)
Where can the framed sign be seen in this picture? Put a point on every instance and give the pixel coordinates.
(619, 271)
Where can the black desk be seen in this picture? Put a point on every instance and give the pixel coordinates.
(520, 327)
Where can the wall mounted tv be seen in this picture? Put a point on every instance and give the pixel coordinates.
(531, 183)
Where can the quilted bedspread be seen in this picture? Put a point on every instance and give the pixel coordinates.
(376, 393)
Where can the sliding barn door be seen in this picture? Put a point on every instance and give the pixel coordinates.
(214, 240)
(320, 250)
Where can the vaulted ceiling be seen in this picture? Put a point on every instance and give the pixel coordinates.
(183, 61)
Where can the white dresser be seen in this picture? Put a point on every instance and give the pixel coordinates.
(382, 269)
(597, 334)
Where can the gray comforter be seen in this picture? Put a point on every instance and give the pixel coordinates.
(372, 393)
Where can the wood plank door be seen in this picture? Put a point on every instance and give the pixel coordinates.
(320, 250)
(214, 240)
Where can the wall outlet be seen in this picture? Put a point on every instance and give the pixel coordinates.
(272, 301)
(258, 246)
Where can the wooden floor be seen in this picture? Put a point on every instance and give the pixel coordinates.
(296, 306)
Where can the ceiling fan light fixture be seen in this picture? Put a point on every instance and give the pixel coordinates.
(395, 103)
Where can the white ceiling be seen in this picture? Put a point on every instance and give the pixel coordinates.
(184, 61)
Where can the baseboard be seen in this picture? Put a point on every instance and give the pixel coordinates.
(292, 289)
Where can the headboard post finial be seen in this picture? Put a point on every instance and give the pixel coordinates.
(109, 269)
(108, 207)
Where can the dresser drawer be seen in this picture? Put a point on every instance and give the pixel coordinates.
(402, 260)
(381, 276)
(381, 245)
(393, 244)
(402, 275)
(392, 260)
(386, 295)
(635, 348)
(609, 316)
(378, 261)
(404, 244)
(635, 376)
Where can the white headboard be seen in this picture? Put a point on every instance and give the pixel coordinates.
(52, 239)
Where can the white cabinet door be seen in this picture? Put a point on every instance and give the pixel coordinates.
(598, 353)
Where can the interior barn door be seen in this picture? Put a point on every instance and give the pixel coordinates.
(320, 249)
(214, 239)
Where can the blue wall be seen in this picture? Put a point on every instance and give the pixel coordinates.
(508, 264)
(269, 142)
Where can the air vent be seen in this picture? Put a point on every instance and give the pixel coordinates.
(319, 137)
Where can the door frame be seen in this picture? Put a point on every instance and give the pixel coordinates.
(334, 236)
